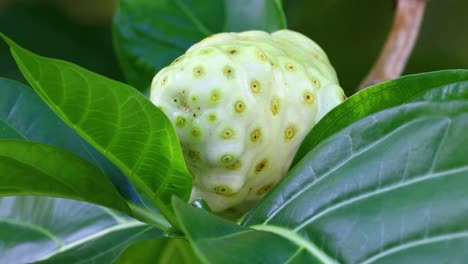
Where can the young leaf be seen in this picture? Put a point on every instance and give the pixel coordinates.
(115, 119)
(373, 99)
(149, 35)
(163, 251)
(219, 241)
(24, 115)
(389, 188)
(30, 168)
(64, 231)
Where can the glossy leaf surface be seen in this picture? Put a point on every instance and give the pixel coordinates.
(64, 231)
(23, 115)
(373, 99)
(30, 168)
(163, 250)
(390, 188)
(219, 241)
(115, 119)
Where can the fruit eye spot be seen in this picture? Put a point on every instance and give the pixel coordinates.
(316, 83)
(195, 132)
(261, 166)
(180, 121)
(164, 81)
(239, 106)
(232, 51)
(226, 158)
(234, 166)
(197, 72)
(265, 189)
(289, 133)
(255, 86)
(222, 190)
(228, 72)
(261, 55)
(255, 135)
(193, 155)
(214, 96)
(309, 98)
(227, 133)
(212, 117)
(275, 105)
(290, 67)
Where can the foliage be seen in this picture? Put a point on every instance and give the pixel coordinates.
(380, 179)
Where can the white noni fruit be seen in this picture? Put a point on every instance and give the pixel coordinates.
(241, 104)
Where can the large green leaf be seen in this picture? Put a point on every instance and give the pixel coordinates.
(64, 231)
(219, 241)
(454, 91)
(24, 115)
(162, 251)
(117, 120)
(390, 188)
(374, 99)
(148, 34)
(30, 168)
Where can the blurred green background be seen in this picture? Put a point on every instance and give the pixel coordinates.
(352, 32)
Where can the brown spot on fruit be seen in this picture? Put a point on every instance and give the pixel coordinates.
(228, 133)
(261, 166)
(261, 55)
(228, 72)
(255, 135)
(195, 132)
(275, 106)
(226, 158)
(212, 117)
(255, 86)
(309, 97)
(164, 81)
(222, 190)
(239, 106)
(180, 121)
(193, 155)
(290, 67)
(234, 166)
(214, 96)
(316, 83)
(289, 133)
(197, 72)
(233, 51)
(266, 188)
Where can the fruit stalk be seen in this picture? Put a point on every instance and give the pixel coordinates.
(399, 44)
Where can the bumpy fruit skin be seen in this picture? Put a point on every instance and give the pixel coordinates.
(241, 104)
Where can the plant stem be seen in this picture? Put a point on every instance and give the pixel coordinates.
(149, 217)
(399, 44)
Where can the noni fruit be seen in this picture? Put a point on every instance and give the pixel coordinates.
(241, 104)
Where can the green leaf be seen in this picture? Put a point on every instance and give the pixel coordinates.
(64, 231)
(162, 251)
(373, 99)
(390, 188)
(30, 168)
(115, 119)
(23, 115)
(148, 34)
(219, 241)
(454, 91)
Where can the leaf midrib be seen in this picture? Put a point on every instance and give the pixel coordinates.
(37, 228)
(414, 244)
(297, 240)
